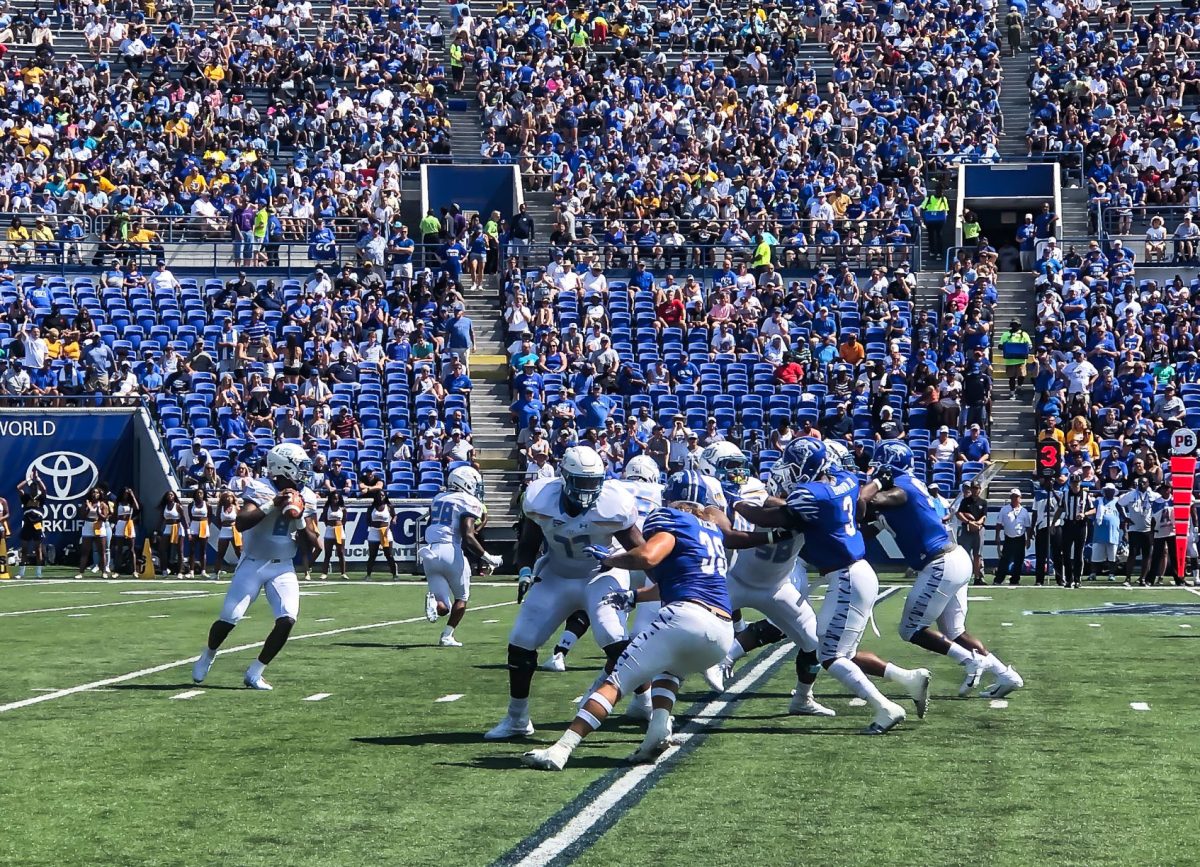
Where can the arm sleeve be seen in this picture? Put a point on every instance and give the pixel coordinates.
(659, 521)
(802, 505)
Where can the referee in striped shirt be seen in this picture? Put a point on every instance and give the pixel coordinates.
(1077, 508)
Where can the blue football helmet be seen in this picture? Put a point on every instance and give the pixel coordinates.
(893, 454)
(803, 460)
(688, 486)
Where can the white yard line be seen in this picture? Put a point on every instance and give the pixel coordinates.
(323, 620)
(79, 615)
(191, 693)
(998, 704)
(1005, 623)
(318, 696)
(179, 663)
(197, 595)
(608, 798)
(454, 696)
(1139, 705)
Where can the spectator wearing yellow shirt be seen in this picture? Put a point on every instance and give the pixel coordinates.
(215, 73)
(44, 241)
(19, 245)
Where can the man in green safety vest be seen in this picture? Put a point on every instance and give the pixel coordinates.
(458, 72)
(934, 210)
(430, 229)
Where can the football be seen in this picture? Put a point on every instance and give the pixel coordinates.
(293, 507)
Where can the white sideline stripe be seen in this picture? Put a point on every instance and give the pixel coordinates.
(454, 696)
(998, 704)
(157, 616)
(323, 620)
(191, 693)
(979, 598)
(318, 696)
(1094, 625)
(491, 621)
(592, 813)
(197, 595)
(167, 666)
(79, 615)
(1192, 590)
(1139, 705)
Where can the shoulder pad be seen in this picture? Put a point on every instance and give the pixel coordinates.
(616, 505)
(754, 491)
(664, 520)
(260, 492)
(802, 502)
(542, 497)
(472, 505)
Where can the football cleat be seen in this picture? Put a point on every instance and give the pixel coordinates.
(808, 706)
(510, 728)
(78, 576)
(716, 676)
(556, 662)
(552, 758)
(648, 754)
(886, 718)
(257, 683)
(919, 690)
(449, 641)
(639, 707)
(202, 665)
(431, 612)
(974, 671)
(1006, 681)
(324, 576)
(345, 577)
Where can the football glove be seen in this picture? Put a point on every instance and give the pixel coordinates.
(622, 600)
(886, 478)
(600, 552)
(524, 582)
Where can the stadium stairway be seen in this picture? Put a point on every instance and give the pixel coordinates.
(492, 431)
(1013, 421)
(1014, 106)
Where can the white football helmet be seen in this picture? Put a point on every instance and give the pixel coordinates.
(467, 480)
(642, 469)
(839, 456)
(290, 462)
(725, 462)
(582, 473)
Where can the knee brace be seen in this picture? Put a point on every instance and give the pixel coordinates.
(806, 662)
(578, 623)
(613, 651)
(520, 659)
(764, 632)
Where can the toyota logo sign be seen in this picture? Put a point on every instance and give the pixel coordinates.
(68, 475)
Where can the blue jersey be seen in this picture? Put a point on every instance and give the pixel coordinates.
(917, 525)
(827, 513)
(696, 567)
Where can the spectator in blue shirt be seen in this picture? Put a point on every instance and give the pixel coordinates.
(233, 425)
(594, 408)
(457, 382)
(526, 409)
(975, 446)
(530, 379)
(684, 372)
(337, 478)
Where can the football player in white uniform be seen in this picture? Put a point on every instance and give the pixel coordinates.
(449, 537)
(643, 480)
(567, 515)
(762, 579)
(278, 521)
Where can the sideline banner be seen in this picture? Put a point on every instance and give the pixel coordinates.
(71, 452)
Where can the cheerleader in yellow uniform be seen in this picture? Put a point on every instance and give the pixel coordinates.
(379, 535)
(333, 516)
(95, 532)
(199, 517)
(125, 536)
(172, 526)
(227, 510)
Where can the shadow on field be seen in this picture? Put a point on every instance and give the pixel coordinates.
(170, 687)
(509, 762)
(383, 646)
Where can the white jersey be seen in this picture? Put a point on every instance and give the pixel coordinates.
(647, 496)
(445, 517)
(272, 538)
(567, 536)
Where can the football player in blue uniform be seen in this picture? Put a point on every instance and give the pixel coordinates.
(822, 503)
(939, 595)
(684, 556)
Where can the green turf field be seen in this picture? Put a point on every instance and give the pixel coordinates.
(381, 772)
